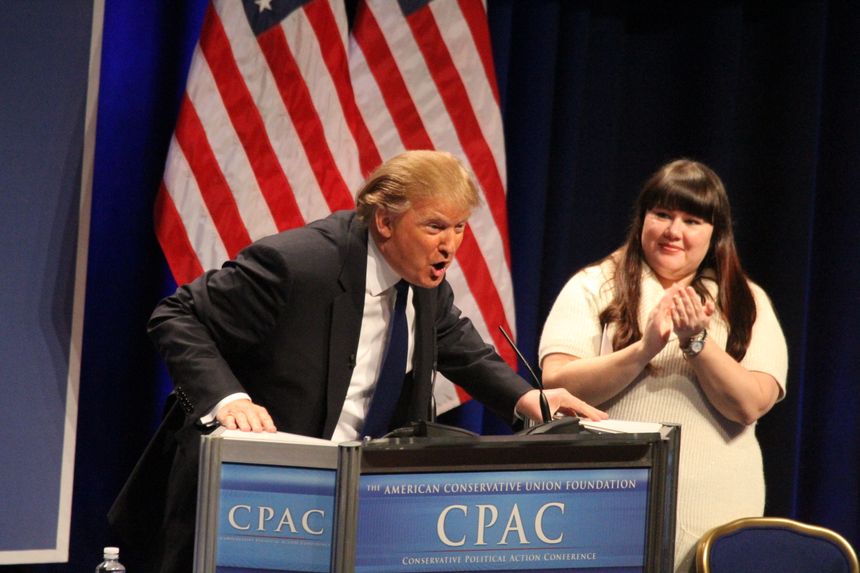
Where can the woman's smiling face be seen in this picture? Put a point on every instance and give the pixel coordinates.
(675, 243)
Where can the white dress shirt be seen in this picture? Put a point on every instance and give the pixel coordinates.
(379, 295)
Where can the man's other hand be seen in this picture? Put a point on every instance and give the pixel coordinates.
(560, 401)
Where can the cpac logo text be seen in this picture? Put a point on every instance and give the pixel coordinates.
(262, 518)
(483, 517)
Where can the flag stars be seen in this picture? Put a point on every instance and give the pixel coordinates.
(263, 4)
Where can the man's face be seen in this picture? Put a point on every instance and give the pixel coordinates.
(420, 243)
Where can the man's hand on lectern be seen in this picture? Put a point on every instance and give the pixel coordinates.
(246, 416)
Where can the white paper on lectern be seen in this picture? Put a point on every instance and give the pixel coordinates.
(281, 437)
(622, 426)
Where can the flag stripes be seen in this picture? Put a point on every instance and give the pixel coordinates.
(450, 87)
(300, 106)
(248, 123)
(191, 137)
(321, 19)
(173, 237)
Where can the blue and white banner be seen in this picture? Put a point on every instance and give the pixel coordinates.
(51, 58)
(275, 518)
(546, 520)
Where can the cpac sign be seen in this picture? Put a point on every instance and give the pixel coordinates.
(262, 518)
(485, 517)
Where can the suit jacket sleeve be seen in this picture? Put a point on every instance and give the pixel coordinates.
(465, 359)
(223, 311)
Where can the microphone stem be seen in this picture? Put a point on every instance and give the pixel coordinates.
(544, 407)
(545, 412)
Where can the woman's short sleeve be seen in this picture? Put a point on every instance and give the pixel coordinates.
(573, 325)
(767, 351)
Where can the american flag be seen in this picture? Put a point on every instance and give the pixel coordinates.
(287, 110)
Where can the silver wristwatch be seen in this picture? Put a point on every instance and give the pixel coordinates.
(695, 345)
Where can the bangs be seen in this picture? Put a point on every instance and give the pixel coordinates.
(696, 197)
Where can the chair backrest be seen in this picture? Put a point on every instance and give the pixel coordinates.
(774, 545)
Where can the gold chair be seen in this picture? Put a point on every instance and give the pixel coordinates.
(774, 544)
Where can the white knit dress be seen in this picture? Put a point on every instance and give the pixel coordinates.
(720, 475)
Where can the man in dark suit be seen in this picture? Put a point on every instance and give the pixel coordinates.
(291, 336)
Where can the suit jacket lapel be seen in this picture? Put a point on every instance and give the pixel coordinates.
(347, 310)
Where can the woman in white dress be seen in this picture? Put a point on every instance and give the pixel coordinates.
(668, 328)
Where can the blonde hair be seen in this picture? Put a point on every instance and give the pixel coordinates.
(414, 175)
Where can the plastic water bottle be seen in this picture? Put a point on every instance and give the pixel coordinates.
(111, 562)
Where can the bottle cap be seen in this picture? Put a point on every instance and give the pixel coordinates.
(112, 551)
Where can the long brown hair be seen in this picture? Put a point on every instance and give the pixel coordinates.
(692, 187)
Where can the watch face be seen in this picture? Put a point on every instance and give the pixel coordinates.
(696, 346)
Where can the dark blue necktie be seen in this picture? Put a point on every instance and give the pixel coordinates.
(393, 369)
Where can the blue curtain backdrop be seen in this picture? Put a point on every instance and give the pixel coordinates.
(596, 95)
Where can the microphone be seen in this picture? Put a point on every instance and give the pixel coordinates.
(545, 412)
